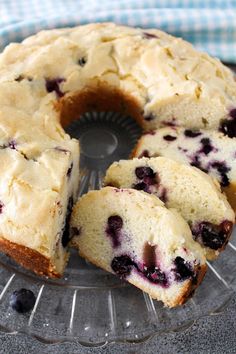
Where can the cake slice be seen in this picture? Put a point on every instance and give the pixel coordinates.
(194, 194)
(38, 184)
(133, 235)
(211, 151)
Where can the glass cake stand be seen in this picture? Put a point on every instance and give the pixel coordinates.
(89, 304)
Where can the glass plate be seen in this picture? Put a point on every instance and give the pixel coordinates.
(89, 304)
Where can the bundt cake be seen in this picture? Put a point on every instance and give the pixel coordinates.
(53, 77)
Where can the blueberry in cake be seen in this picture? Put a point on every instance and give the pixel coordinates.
(133, 235)
(210, 151)
(194, 194)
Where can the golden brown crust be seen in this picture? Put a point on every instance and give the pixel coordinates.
(186, 293)
(29, 258)
(192, 285)
(230, 192)
(136, 148)
(98, 98)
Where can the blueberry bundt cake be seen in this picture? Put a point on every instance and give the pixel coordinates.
(49, 80)
(133, 235)
(211, 151)
(194, 194)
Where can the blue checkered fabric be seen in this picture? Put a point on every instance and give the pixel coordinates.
(209, 24)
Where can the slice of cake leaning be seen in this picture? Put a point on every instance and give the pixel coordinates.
(133, 235)
(38, 184)
(211, 151)
(194, 194)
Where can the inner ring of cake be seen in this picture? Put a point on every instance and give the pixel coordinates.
(98, 98)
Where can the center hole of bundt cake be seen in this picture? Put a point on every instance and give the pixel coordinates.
(104, 137)
(105, 122)
(98, 143)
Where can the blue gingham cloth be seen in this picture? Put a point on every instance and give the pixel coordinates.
(209, 24)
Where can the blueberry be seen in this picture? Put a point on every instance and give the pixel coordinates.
(12, 144)
(65, 233)
(207, 147)
(122, 266)
(82, 61)
(232, 113)
(220, 166)
(211, 235)
(183, 270)
(228, 126)
(169, 138)
(1, 207)
(141, 187)
(224, 180)
(66, 229)
(147, 177)
(114, 226)
(156, 276)
(115, 222)
(222, 169)
(149, 117)
(142, 172)
(22, 300)
(197, 163)
(54, 85)
(69, 170)
(191, 133)
(144, 153)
